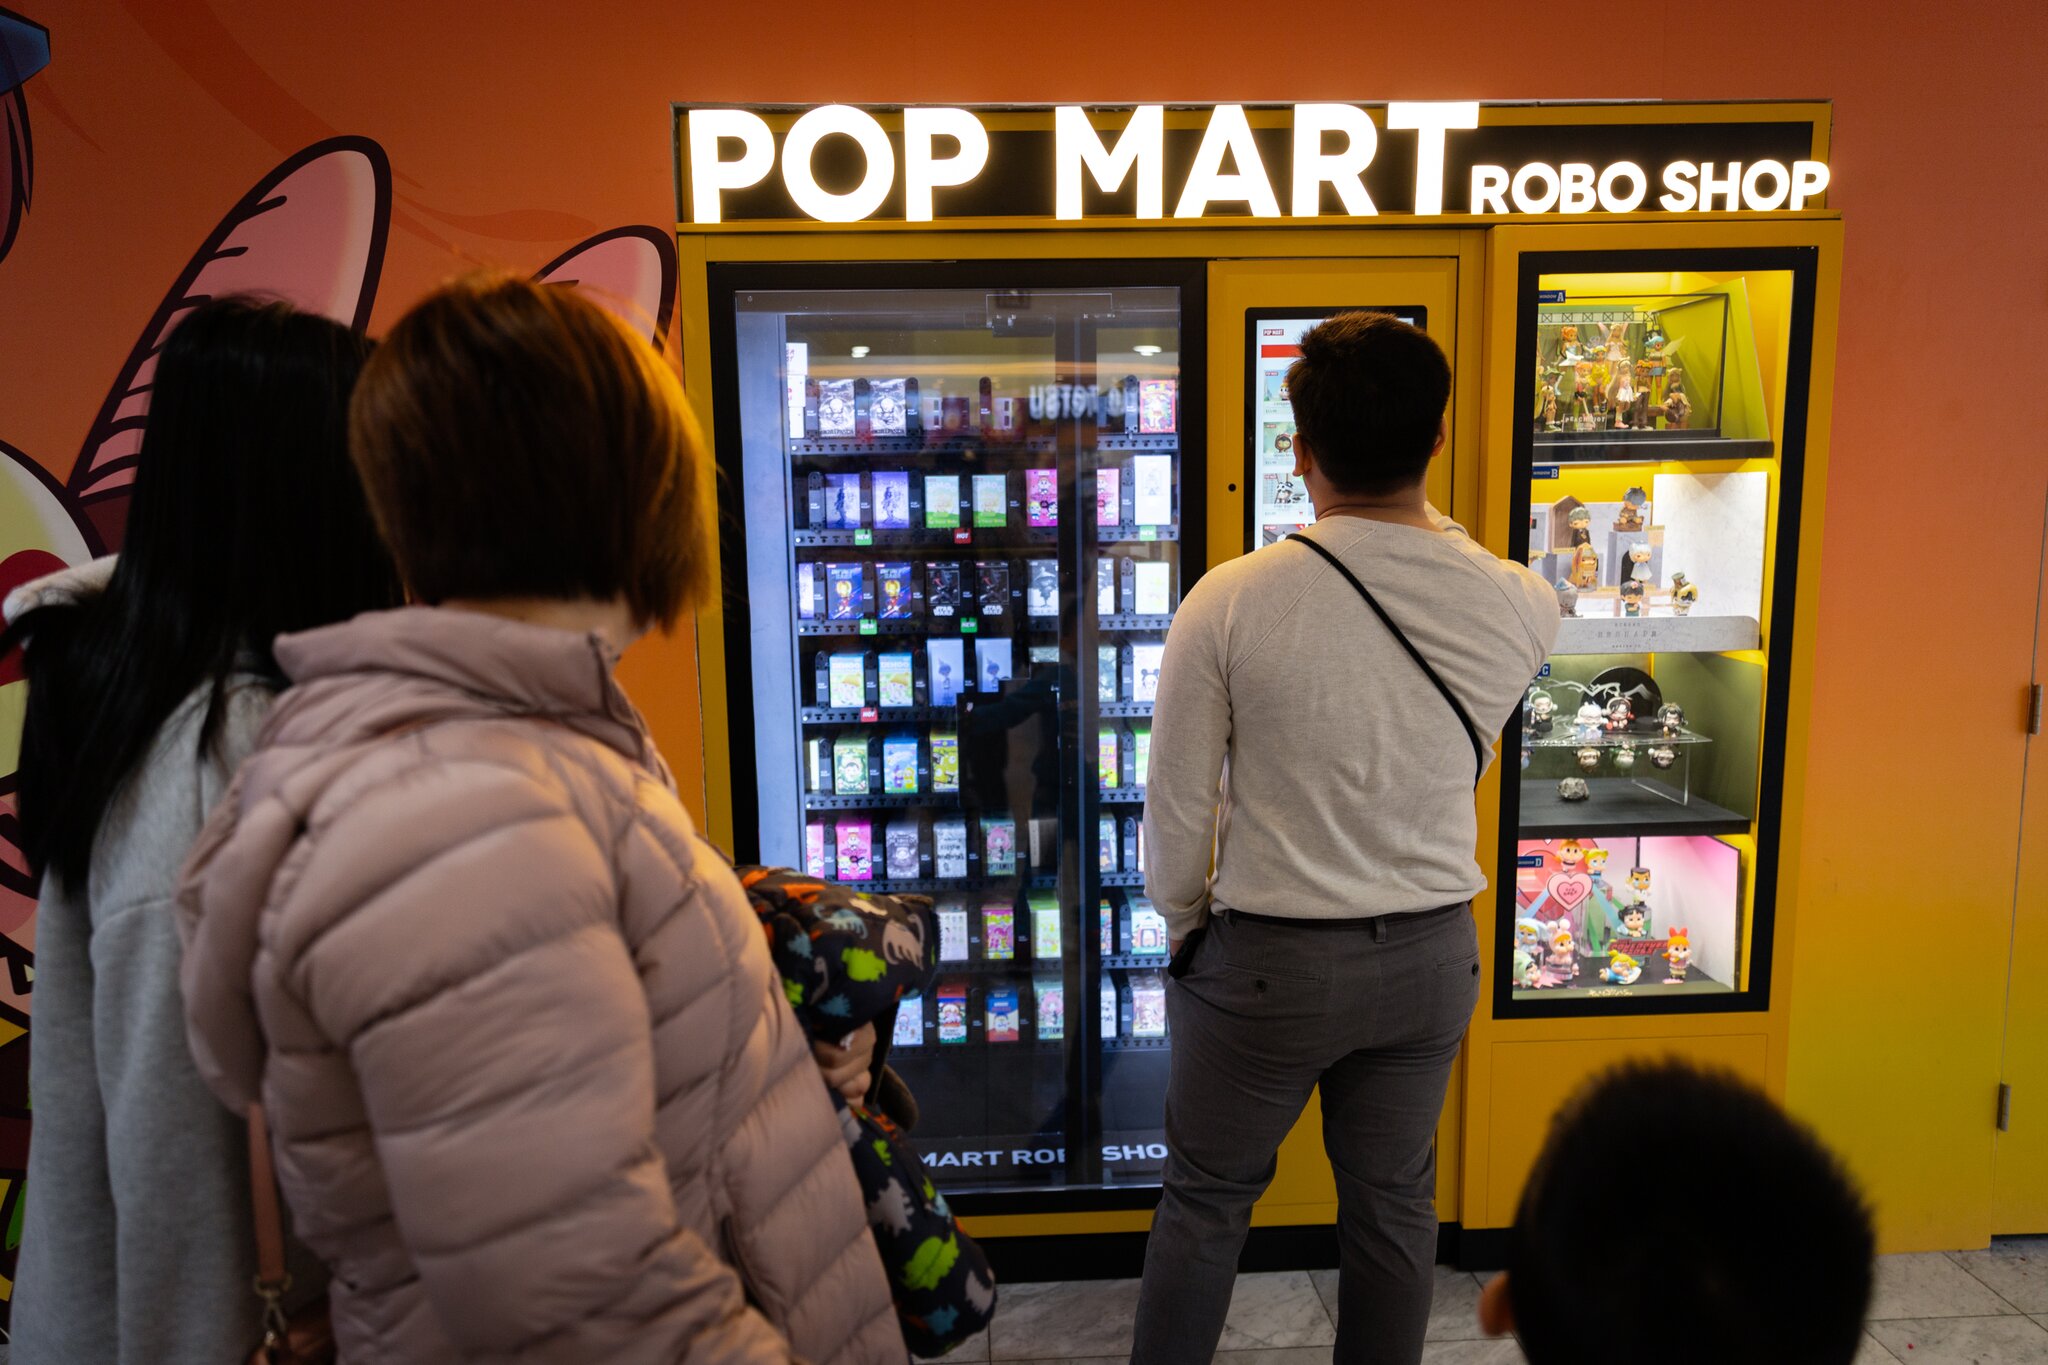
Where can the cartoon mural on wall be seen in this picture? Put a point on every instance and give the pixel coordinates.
(312, 231)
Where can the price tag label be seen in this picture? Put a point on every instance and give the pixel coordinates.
(969, 626)
(1537, 471)
(1550, 296)
(863, 537)
(868, 625)
(1544, 671)
(1529, 860)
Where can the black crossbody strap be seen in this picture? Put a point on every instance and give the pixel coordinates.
(1479, 745)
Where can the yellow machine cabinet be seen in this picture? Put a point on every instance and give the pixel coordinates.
(1655, 434)
(1038, 370)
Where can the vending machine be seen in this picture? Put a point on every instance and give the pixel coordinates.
(956, 504)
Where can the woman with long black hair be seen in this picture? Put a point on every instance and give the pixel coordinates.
(144, 694)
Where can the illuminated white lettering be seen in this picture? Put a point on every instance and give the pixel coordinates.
(1489, 189)
(1809, 181)
(802, 145)
(1314, 168)
(710, 177)
(1781, 185)
(924, 172)
(1679, 195)
(1519, 190)
(1639, 185)
(1575, 187)
(1140, 148)
(1431, 120)
(1727, 187)
(1208, 183)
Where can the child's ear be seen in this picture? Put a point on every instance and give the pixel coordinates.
(1496, 1313)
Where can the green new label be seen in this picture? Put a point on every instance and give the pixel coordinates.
(867, 625)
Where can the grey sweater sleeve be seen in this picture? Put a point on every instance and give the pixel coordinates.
(1190, 740)
(137, 1243)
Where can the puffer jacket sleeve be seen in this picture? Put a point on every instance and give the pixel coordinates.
(457, 935)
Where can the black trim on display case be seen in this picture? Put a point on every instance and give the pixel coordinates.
(1803, 264)
(1121, 1255)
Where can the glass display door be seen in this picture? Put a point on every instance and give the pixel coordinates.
(954, 503)
(1658, 461)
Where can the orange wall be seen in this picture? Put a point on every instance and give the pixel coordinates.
(516, 129)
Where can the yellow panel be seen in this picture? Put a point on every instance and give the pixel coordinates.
(1532, 1080)
(2019, 1190)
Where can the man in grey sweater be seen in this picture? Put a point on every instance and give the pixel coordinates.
(1310, 831)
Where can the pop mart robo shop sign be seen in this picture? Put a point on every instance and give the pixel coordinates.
(1069, 163)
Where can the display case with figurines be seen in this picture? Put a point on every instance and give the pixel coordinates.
(1623, 370)
(959, 516)
(1654, 485)
(1604, 917)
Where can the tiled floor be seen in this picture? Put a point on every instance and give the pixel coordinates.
(1955, 1308)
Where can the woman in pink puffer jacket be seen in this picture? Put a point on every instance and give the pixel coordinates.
(534, 1092)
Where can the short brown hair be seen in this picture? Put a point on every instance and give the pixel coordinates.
(517, 440)
(1369, 393)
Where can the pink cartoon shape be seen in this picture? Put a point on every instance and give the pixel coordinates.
(630, 270)
(311, 232)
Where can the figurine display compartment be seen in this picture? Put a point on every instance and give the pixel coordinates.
(1677, 333)
(1710, 785)
(1592, 885)
(1710, 526)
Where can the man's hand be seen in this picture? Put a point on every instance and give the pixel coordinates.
(846, 1066)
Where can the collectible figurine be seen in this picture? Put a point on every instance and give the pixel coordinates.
(1632, 595)
(1539, 711)
(1589, 758)
(1676, 407)
(1528, 936)
(1635, 920)
(1625, 757)
(1683, 595)
(1528, 757)
(1621, 969)
(1586, 565)
(1638, 884)
(1639, 564)
(1671, 719)
(1588, 724)
(1546, 407)
(1621, 714)
(1630, 517)
(1528, 972)
(1663, 755)
(1678, 952)
(1621, 392)
(1567, 345)
(1580, 412)
(1573, 789)
(1561, 963)
(1596, 868)
(1579, 525)
(1567, 598)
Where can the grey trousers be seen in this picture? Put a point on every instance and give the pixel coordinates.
(1263, 1014)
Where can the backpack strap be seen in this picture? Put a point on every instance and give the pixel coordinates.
(1480, 748)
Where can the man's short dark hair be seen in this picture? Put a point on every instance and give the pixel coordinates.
(1369, 393)
(1667, 1194)
(517, 440)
